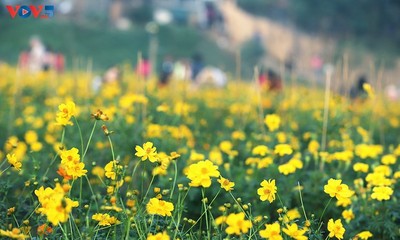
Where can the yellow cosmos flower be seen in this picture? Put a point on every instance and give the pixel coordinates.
(378, 179)
(261, 150)
(15, 233)
(66, 111)
(348, 215)
(360, 167)
(226, 184)
(158, 236)
(283, 149)
(13, 161)
(313, 147)
(336, 229)
(71, 164)
(54, 204)
(272, 232)
(389, 159)
(105, 219)
(364, 235)
(370, 91)
(381, 193)
(335, 188)
(268, 190)
(291, 215)
(111, 169)
(237, 224)
(159, 207)
(31, 137)
(200, 173)
(147, 152)
(272, 121)
(294, 232)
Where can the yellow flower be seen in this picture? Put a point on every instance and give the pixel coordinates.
(226, 184)
(294, 232)
(364, 151)
(13, 161)
(99, 115)
(389, 159)
(370, 92)
(291, 215)
(238, 135)
(336, 229)
(159, 207)
(111, 169)
(360, 167)
(54, 204)
(220, 220)
(267, 190)
(147, 152)
(216, 156)
(283, 149)
(36, 146)
(200, 173)
(71, 164)
(364, 235)
(348, 215)
(335, 188)
(261, 150)
(377, 179)
(313, 147)
(226, 147)
(66, 111)
(98, 171)
(15, 233)
(272, 121)
(158, 236)
(237, 224)
(31, 137)
(272, 232)
(286, 169)
(105, 219)
(381, 193)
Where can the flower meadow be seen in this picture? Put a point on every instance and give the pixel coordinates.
(138, 161)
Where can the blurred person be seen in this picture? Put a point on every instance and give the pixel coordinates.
(167, 68)
(392, 92)
(211, 76)
(112, 75)
(273, 81)
(196, 66)
(37, 54)
(358, 91)
(143, 68)
(182, 70)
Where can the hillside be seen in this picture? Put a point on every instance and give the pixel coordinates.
(106, 46)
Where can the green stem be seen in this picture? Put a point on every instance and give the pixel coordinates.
(206, 212)
(91, 190)
(174, 183)
(112, 148)
(80, 132)
(148, 189)
(202, 213)
(301, 201)
(90, 138)
(63, 231)
(323, 212)
(55, 157)
(234, 199)
(1, 173)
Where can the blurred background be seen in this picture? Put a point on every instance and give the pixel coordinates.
(293, 38)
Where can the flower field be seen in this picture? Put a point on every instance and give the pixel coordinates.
(135, 161)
